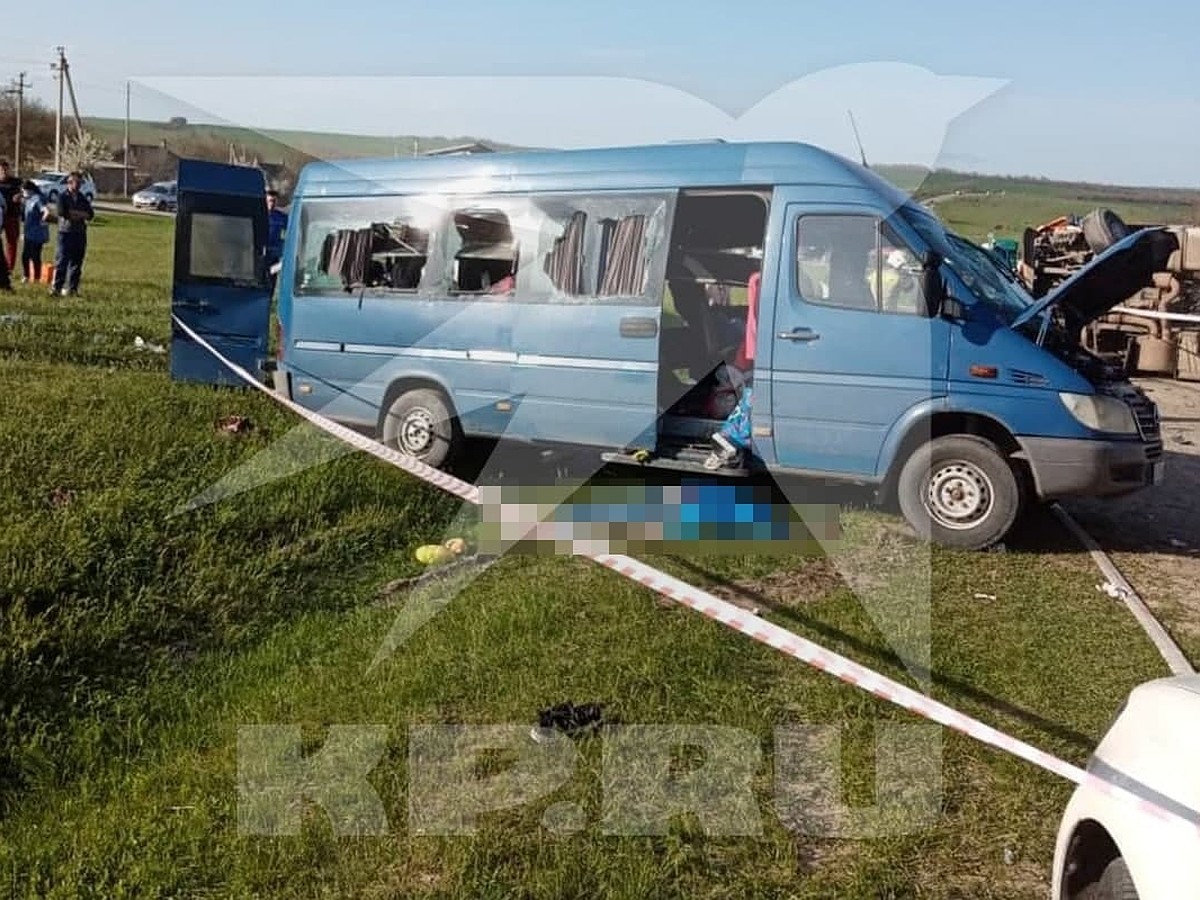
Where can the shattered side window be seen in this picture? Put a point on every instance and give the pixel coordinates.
(484, 253)
(547, 248)
(382, 244)
(564, 263)
(628, 243)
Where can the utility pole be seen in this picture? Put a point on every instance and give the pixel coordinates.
(60, 68)
(19, 92)
(74, 105)
(125, 159)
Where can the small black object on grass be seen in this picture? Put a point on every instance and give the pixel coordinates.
(573, 721)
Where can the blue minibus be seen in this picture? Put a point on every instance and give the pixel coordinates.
(601, 298)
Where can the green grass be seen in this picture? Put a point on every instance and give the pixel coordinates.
(134, 644)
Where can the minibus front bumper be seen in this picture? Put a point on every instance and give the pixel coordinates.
(1067, 467)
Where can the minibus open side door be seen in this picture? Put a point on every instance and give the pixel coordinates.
(221, 287)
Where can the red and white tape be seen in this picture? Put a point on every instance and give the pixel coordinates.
(729, 615)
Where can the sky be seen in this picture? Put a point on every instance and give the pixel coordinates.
(1092, 92)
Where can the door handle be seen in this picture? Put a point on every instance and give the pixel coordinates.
(799, 334)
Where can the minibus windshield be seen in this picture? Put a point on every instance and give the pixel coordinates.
(979, 271)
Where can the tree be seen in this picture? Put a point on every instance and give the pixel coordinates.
(81, 152)
(37, 131)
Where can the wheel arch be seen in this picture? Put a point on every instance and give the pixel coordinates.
(935, 423)
(402, 384)
(1089, 851)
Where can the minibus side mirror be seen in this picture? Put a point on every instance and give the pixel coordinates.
(952, 309)
(932, 283)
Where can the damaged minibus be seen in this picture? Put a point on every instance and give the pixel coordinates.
(620, 299)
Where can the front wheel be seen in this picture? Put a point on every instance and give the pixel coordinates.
(959, 491)
(421, 423)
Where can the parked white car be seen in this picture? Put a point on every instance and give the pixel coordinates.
(161, 195)
(1108, 848)
(54, 183)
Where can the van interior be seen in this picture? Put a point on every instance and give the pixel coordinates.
(717, 245)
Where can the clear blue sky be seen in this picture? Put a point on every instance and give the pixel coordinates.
(1094, 90)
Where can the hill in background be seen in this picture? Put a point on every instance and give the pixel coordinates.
(975, 204)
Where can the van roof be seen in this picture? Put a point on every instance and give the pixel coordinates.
(666, 166)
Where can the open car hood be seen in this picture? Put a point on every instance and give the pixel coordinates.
(1110, 279)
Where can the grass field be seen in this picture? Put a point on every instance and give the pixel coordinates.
(135, 643)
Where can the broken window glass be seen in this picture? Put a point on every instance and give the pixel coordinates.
(377, 243)
(482, 252)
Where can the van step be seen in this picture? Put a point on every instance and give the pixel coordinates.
(681, 460)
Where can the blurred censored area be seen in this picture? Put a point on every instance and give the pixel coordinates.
(635, 518)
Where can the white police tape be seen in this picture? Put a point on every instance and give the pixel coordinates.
(729, 615)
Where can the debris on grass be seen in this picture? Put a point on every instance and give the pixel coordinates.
(986, 597)
(573, 721)
(141, 344)
(437, 554)
(12, 318)
(61, 497)
(234, 425)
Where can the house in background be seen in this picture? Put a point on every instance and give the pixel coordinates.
(109, 177)
(149, 163)
(461, 149)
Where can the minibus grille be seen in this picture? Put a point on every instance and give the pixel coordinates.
(1146, 414)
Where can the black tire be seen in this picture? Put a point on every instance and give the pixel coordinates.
(52, 196)
(959, 491)
(1103, 228)
(1115, 884)
(422, 424)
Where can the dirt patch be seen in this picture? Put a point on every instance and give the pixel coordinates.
(1154, 536)
(816, 580)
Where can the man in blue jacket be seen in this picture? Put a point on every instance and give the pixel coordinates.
(277, 223)
(74, 213)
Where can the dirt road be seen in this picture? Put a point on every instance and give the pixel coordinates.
(1154, 536)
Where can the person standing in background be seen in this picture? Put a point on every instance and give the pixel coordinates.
(10, 191)
(277, 223)
(5, 282)
(74, 213)
(37, 232)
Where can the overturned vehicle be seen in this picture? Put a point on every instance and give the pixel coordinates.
(1159, 339)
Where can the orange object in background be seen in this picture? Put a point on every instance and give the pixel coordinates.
(47, 273)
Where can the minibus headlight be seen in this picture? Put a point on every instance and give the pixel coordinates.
(1101, 413)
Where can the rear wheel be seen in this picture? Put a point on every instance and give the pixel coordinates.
(421, 423)
(1115, 884)
(959, 491)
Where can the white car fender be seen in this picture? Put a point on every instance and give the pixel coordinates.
(1151, 748)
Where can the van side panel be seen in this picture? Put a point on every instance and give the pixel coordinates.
(343, 358)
